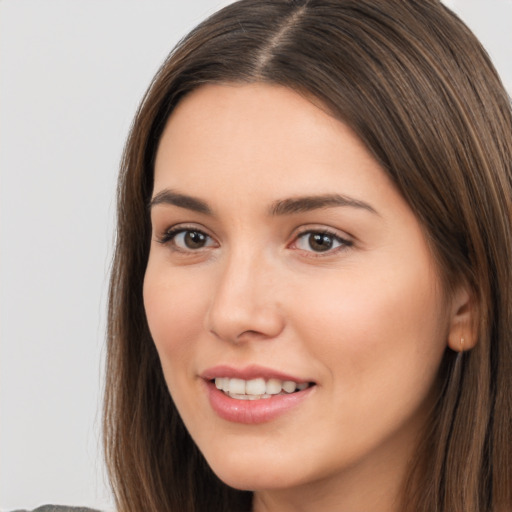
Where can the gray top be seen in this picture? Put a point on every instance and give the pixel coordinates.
(58, 508)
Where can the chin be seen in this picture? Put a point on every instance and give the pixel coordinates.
(260, 471)
(256, 479)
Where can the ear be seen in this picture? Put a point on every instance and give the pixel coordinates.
(463, 324)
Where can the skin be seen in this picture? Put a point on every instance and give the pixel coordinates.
(367, 320)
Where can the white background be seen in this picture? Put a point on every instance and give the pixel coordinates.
(71, 76)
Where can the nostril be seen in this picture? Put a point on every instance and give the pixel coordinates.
(251, 334)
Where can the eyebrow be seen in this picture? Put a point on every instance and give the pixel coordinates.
(308, 203)
(281, 207)
(182, 200)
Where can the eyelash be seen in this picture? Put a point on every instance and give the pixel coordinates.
(343, 242)
(171, 234)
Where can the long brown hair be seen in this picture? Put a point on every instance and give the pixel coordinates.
(419, 90)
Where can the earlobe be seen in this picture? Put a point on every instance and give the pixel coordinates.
(463, 327)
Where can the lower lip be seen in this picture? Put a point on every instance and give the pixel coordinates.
(253, 411)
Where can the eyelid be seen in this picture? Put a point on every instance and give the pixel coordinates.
(345, 240)
(170, 233)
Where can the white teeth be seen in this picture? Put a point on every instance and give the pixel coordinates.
(289, 386)
(222, 383)
(248, 397)
(236, 386)
(257, 388)
(274, 386)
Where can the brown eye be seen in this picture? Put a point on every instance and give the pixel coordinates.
(187, 239)
(194, 239)
(318, 242)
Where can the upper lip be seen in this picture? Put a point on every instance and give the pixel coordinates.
(248, 373)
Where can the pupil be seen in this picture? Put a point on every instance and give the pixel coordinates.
(194, 240)
(320, 242)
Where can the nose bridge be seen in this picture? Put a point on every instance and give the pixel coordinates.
(244, 303)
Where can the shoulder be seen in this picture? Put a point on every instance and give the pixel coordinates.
(59, 508)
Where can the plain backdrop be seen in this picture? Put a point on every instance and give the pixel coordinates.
(71, 76)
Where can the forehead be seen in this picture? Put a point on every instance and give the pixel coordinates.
(255, 134)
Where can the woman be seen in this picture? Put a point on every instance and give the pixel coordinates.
(310, 302)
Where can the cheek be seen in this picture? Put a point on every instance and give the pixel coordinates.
(380, 343)
(175, 313)
(374, 334)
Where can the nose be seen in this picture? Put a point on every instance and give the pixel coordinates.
(245, 304)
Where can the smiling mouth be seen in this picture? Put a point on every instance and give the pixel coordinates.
(259, 388)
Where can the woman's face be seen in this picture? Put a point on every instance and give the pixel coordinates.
(281, 252)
